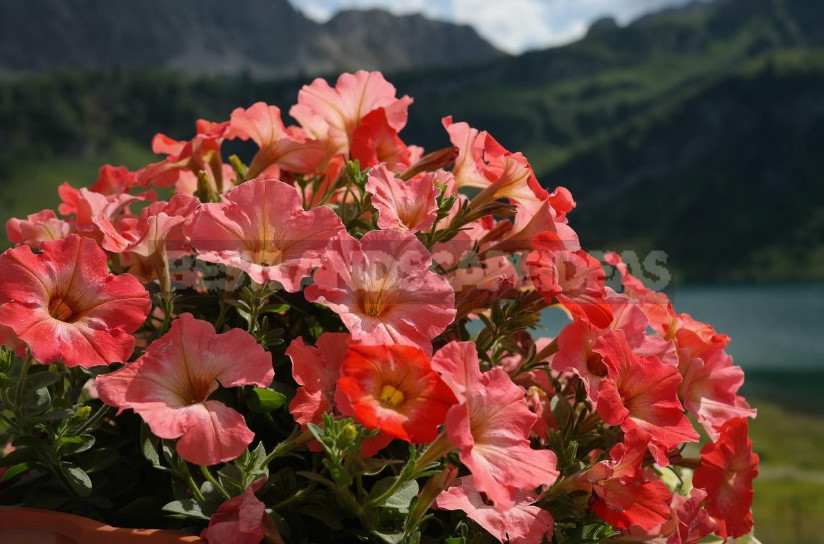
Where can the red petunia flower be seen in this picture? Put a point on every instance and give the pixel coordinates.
(727, 470)
(394, 389)
(239, 520)
(375, 141)
(65, 306)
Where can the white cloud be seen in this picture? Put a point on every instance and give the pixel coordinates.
(512, 25)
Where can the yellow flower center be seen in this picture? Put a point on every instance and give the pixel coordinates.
(59, 309)
(391, 397)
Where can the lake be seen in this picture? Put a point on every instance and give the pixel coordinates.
(773, 327)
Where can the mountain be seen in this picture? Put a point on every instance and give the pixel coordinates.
(694, 131)
(266, 38)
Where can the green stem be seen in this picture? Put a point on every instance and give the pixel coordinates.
(193, 486)
(208, 475)
(18, 393)
(285, 447)
(97, 416)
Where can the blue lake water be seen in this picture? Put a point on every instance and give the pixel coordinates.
(773, 327)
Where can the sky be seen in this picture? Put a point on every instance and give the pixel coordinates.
(511, 25)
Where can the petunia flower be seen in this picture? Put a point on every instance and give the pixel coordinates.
(262, 229)
(394, 389)
(521, 524)
(374, 141)
(288, 148)
(185, 159)
(490, 426)
(38, 227)
(382, 289)
(331, 115)
(170, 384)
(694, 523)
(407, 205)
(621, 495)
(316, 371)
(65, 306)
(238, 520)
(641, 393)
(574, 279)
(728, 467)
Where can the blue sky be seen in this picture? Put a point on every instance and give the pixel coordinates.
(512, 25)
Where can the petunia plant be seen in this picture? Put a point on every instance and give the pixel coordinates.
(340, 338)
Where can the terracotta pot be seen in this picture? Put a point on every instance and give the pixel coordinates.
(32, 526)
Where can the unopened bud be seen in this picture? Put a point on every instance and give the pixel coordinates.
(441, 158)
(82, 412)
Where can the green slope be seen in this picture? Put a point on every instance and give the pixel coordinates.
(693, 131)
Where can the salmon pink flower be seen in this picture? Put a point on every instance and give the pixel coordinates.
(709, 388)
(409, 205)
(239, 520)
(316, 370)
(375, 141)
(170, 384)
(641, 393)
(394, 389)
(114, 180)
(186, 158)
(727, 470)
(694, 523)
(65, 306)
(621, 495)
(36, 228)
(521, 524)
(331, 115)
(490, 426)
(574, 279)
(287, 148)
(262, 229)
(382, 289)
(484, 163)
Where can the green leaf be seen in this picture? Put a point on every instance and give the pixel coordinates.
(149, 445)
(78, 479)
(401, 499)
(274, 308)
(36, 402)
(39, 380)
(14, 470)
(75, 444)
(390, 538)
(187, 507)
(263, 400)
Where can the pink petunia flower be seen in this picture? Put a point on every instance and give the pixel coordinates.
(170, 384)
(239, 520)
(573, 278)
(521, 524)
(262, 229)
(641, 393)
(38, 227)
(66, 306)
(184, 159)
(407, 205)
(331, 115)
(490, 426)
(394, 389)
(316, 370)
(382, 289)
(288, 148)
